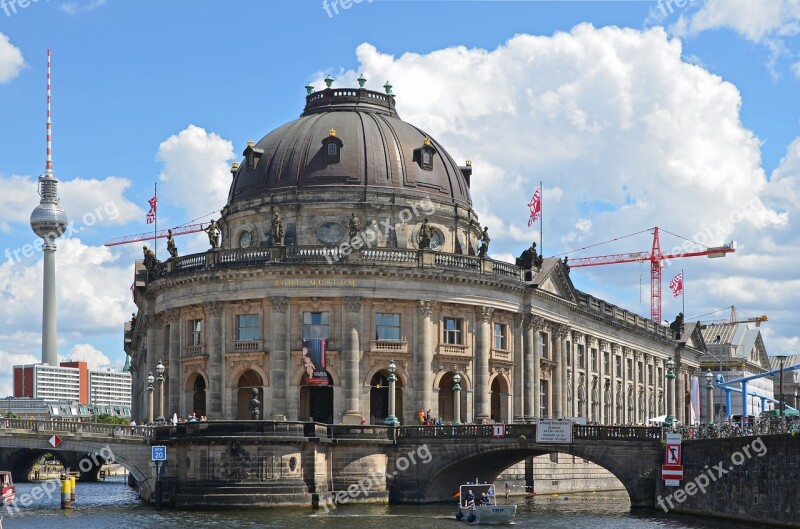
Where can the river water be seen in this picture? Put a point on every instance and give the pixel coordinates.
(114, 505)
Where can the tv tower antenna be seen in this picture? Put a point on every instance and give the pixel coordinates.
(49, 221)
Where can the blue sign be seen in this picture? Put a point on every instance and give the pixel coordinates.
(159, 453)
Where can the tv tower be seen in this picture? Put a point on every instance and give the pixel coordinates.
(49, 221)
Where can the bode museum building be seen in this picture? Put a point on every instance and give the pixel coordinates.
(349, 240)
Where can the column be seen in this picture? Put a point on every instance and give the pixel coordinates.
(530, 325)
(635, 376)
(557, 334)
(483, 344)
(150, 359)
(615, 351)
(216, 361)
(601, 385)
(565, 352)
(710, 399)
(280, 354)
(646, 385)
(352, 359)
(519, 370)
(423, 355)
(680, 396)
(173, 317)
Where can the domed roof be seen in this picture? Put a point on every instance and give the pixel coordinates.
(375, 150)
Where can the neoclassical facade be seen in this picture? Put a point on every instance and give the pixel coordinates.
(352, 225)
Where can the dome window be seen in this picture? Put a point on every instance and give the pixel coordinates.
(332, 148)
(252, 155)
(424, 155)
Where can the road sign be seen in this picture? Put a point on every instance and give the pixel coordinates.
(674, 438)
(55, 441)
(669, 472)
(158, 453)
(672, 483)
(672, 456)
(499, 430)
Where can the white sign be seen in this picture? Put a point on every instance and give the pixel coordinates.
(158, 453)
(499, 430)
(672, 483)
(554, 431)
(674, 438)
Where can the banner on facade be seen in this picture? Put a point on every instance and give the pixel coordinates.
(314, 361)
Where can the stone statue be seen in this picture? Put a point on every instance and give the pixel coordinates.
(566, 266)
(255, 405)
(277, 230)
(425, 233)
(677, 326)
(150, 260)
(171, 248)
(484, 242)
(355, 226)
(530, 258)
(213, 234)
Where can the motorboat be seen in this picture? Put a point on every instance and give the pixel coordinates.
(9, 493)
(477, 504)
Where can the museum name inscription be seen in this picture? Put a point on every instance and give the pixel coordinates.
(314, 282)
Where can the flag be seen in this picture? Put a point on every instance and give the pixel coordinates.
(535, 206)
(676, 285)
(151, 215)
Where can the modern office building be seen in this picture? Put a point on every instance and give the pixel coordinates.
(69, 382)
(107, 387)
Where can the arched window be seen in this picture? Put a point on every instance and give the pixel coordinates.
(332, 148)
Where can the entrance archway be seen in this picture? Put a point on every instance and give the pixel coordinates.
(196, 387)
(379, 398)
(499, 402)
(446, 398)
(316, 402)
(247, 381)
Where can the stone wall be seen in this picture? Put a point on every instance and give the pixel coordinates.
(739, 478)
(558, 474)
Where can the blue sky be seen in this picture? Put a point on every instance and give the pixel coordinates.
(630, 117)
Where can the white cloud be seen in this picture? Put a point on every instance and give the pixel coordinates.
(754, 19)
(199, 161)
(629, 133)
(93, 357)
(74, 8)
(7, 361)
(11, 61)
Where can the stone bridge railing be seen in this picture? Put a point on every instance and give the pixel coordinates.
(486, 431)
(59, 426)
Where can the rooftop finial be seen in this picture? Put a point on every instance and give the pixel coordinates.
(427, 141)
(49, 165)
(309, 88)
(361, 80)
(388, 88)
(250, 143)
(469, 162)
(328, 81)
(332, 133)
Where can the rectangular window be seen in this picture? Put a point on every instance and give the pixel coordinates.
(640, 371)
(618, 362)
(594, 359)
(387, 326)
(500, 337)
(452, 331)
(649, 374)
(543, 411)
(247, 327)
(195, 332)
(315, 325)
(543, 341)
(606, 362)
(332, 147)
(581, 356)
(569, 354)
(629, 368)
(661, 376)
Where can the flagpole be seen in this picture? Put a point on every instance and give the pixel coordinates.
(155, 225)
(683, 293)
(541, 219)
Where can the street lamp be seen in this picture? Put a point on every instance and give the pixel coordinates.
(160, 370)
(670, 392)
(456, 399)
(391, 420)
(782, 397)
(710, 395)
(150, 380)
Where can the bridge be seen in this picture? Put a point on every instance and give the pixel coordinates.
(267, 463)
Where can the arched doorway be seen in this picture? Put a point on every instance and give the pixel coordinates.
(499, 401)
(247, 381)
(379, 398)
(196, 388)
(316, 402)
(446, 394)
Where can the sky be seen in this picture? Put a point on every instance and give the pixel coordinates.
(681, 114)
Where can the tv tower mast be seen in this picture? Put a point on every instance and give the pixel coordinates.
(49, 221)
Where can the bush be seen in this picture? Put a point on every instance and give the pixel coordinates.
(107, 418)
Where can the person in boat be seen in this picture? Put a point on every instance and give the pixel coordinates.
(485, 499)
(469, 501)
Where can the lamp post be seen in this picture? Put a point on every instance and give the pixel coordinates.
(782, 397)
(160, 370)
(150, 380)
(391, 420)
(456, 399)
(795, 399)
(710, 396)
(670, 392)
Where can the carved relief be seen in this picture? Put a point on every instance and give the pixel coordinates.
(235, 463)
(563, 332)
(172, 315)
(279, 303)
(425, 308)
(484, 314)
(352, 303)
(214, 308)
(534, 322)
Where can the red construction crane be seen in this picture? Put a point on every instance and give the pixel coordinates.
(655, 257)
(179, 230)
